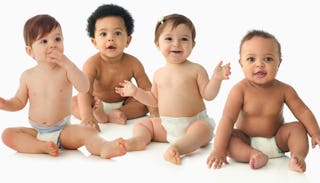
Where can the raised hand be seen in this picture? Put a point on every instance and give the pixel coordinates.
(126, 89)
(222, 72)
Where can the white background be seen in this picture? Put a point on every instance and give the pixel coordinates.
(220, 25)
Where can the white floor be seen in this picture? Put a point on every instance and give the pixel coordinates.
(143, 166)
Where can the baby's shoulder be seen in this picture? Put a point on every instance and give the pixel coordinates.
(284, 87)
(130, 59)
(29, 72)
(195, 65)
(241, 85)
(93, 60)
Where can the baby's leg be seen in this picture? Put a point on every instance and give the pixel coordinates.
(240, 150)
(24, 140)
(143, 133)
(172, 155)
(293, 137)
(133, 109)
(113, 149)
(75, 136)
(257, 159)
(297, 163)
(117, 116)
(98, 111)
(197, 135)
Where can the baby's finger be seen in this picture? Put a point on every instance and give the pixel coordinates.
(210, 162)
(217, 164)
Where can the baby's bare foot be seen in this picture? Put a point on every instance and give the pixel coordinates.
(117, 116)
(172, 155)
(113, 149)
(297, 164)
(258, 160)
(52, 149)
(98, 111)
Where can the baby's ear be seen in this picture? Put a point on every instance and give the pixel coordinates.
(157, 44)
(93, 41)
(29, 51)
(129, 40)
(240, 62)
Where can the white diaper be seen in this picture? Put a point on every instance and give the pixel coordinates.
(51, 133)
(52, 136)
(107, 107)
(267, 146)
(176, 126)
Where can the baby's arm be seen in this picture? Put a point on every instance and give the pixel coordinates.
(211, 90)
(303, 114)
(19, 101)
(85, 99)
(144, 83)
(78, 79)
(74, 74)
(127, 89)
(218, 156)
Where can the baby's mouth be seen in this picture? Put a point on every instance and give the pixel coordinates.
(260, 74)
(111, 47)
(176, 51)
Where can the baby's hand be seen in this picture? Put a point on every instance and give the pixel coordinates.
(92, 123)
(315, 140)
(56, 57)
(2, 102)
(127, 89)
(222, 72)
(216, 159)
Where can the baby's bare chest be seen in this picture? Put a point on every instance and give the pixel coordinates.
(263, 105)
(112, 77)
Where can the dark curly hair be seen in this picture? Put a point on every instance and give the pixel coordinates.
(110, 10)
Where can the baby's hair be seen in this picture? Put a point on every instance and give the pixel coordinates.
(263, 34)
(37, 27)
(175, 19)
(106, 10)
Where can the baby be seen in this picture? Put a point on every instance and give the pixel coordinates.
(255, 107)
(48, 88)
(110, 28)
(178, 90)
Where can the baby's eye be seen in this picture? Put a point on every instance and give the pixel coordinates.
(58, 39)
(250, 59)
(184, 39)
(43, 41)
(103, 34)
(118, 33)
(268, 59)
(168, 39)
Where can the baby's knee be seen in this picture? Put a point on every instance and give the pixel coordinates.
(298, 127)
(8, 136)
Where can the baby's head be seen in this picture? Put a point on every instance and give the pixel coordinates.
(174, 20)
(110, 10)
(37, 27)
(262, 34)
(260, 57)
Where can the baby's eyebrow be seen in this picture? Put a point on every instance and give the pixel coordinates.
(269, 54)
